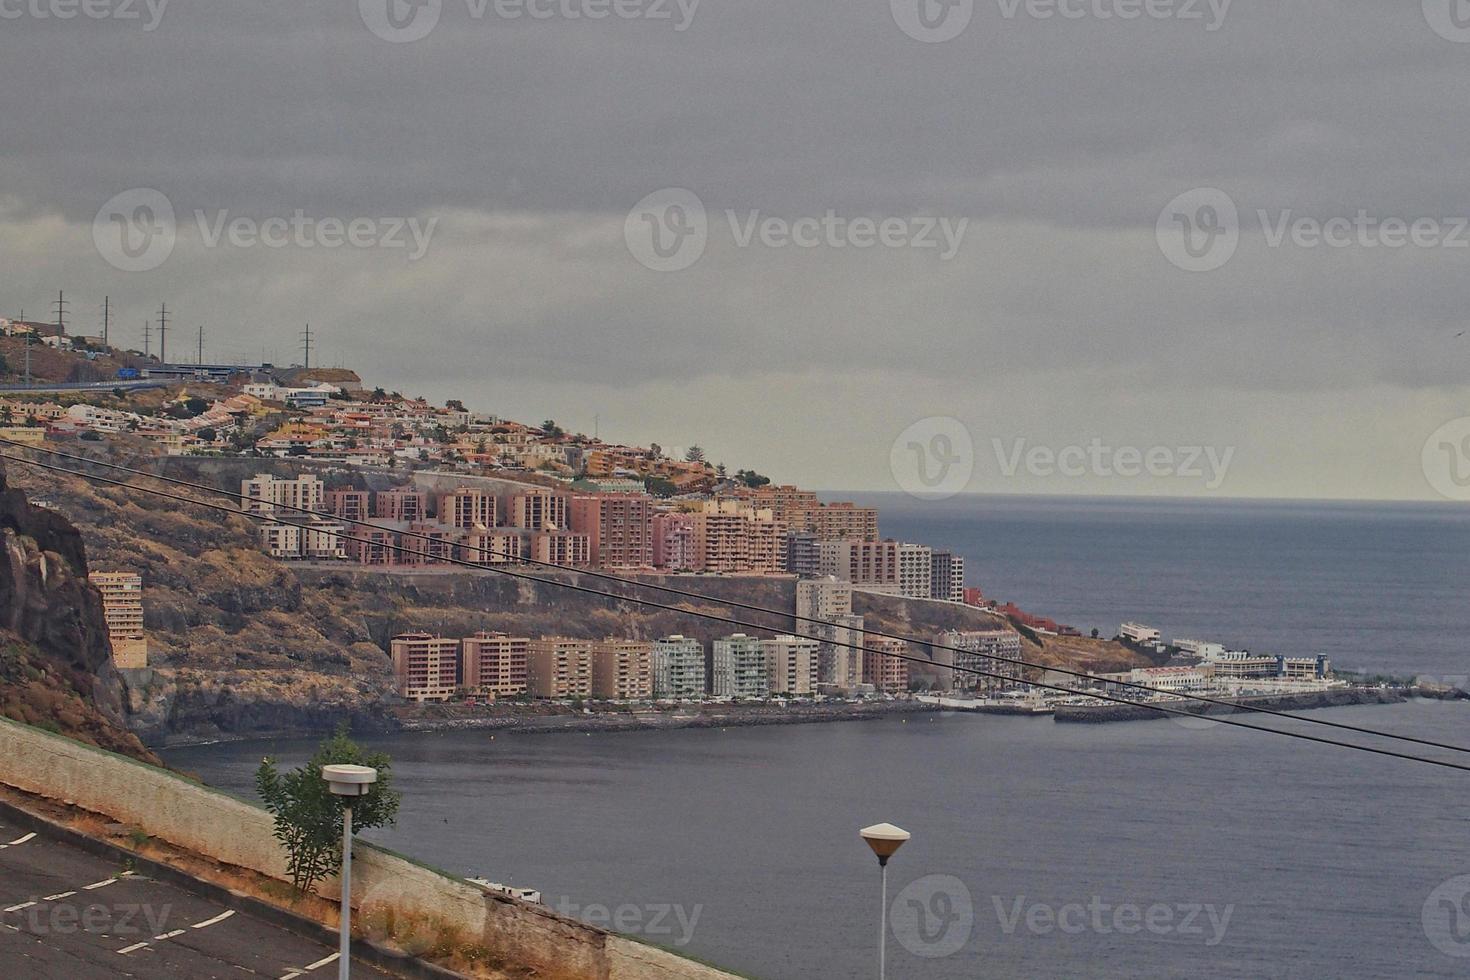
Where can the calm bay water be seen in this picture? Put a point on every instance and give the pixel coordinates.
(1154, 849)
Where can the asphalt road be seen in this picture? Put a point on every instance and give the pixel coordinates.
(69, 915)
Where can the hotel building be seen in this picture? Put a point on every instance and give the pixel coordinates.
(791, 665)
(886, 673)
(737, 667)
(678, 668)
(467, 508)
(122, 608)
(977, 651)
(559, 667)
(266, 494)
(622, 670)
(425, 667)
(496, 664)
(947, 577)
(619, 528)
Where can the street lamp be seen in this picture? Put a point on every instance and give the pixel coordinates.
(347, 782)
(885, 839)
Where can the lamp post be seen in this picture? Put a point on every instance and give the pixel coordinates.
(885, 839)
(347, 782)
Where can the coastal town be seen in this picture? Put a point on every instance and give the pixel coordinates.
(372, 480)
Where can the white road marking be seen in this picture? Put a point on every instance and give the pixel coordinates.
(22, 905)
(290, 976)
(20, 840)
(58, 896)
(99, 884)
(128, 949)
(322, 962)
(209, 922)
(170, 935)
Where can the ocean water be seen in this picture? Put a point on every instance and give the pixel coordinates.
(1146, 849)
(1381, 587)
(1150, 849)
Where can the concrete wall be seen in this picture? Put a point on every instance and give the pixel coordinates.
(387, 888)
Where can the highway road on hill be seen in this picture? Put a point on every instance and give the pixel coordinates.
(66, 914)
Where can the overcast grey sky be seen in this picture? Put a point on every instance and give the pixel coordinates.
(1051, 144)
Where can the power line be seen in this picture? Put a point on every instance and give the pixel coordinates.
(782, 614)
(1152, 706)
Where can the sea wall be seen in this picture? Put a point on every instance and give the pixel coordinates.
(444, 911)
(1100, 713)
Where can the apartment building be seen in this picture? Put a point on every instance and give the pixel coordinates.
(322, 539)
(426, 544)
(561, 548)
(915, 570)
(122, 609)
(495, 664)
(802, 554)
(791, 665)
(410, 506)
(836, 521)
(373, 546)
(265, 494)
(425, 667)
(947, 577)
(678, 667)
(537, 510)
(977, 651)
(559, 667)
(737, 667)
(484, 546)
(349, 505)
(619, 528)
(829, 600)
(673, 542)
(885, 672)
(467, 507)
(280, 540)
(730, 537)
(622, 670)
(873, 564)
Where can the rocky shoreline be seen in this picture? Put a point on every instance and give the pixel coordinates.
(699, 716)
(1096, 714)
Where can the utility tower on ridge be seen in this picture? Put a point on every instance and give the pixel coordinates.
(163, 334)
(306, 347)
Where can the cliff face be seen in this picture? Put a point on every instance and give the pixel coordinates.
(55, 663)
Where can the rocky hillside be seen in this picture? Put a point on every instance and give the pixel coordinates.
(55, 664)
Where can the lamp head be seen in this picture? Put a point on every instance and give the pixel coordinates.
(885, 839)
(349, 781)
